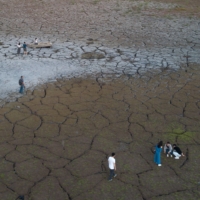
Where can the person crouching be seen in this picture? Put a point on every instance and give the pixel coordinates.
(177, 152)
(168, 149)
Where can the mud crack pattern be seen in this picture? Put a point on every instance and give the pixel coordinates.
(139, 83)
(55, 140)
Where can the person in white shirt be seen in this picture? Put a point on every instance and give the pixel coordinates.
(18, 48)
(112, 166)
(36, 41)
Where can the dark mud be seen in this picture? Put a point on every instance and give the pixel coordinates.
(55, 140)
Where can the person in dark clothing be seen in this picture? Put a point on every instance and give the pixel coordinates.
(22, 86)
(25, 48)
(177, 152)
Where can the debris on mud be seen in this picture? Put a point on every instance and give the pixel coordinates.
(92, 55)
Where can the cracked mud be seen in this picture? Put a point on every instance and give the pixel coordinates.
(55, 140)
(127, 76)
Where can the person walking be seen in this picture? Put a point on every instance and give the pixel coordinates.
(18, 48)
(22, 86)
(157, 155)
(112, 166)
(177, 152)
(25, 48)
(168, 149)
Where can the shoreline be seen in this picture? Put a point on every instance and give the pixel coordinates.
(67, 60)
(101, 78)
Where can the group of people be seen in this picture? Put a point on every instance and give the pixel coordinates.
(24, 46)
(169, 150)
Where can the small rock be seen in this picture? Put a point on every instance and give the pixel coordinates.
(119, 51)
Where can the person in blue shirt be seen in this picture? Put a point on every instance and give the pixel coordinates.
(157, 155)
(25, 48)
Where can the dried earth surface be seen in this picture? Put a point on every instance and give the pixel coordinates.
(127, 75)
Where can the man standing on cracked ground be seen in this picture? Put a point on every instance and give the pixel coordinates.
(112, 166)
(22, 86)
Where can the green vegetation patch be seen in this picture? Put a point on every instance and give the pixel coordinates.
(179, 134)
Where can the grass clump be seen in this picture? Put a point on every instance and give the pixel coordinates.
(180, 135)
